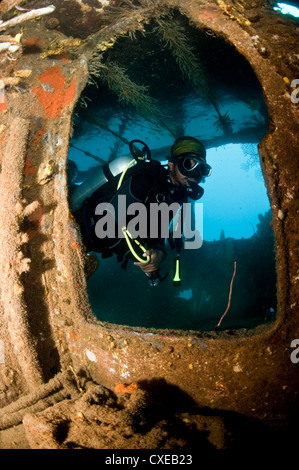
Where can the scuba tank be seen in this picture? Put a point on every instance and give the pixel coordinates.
(100, 176)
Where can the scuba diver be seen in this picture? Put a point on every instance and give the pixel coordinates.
(145, 181)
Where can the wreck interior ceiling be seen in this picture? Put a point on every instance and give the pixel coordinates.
(51, 344)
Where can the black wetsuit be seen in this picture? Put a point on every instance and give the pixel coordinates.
(146, 182)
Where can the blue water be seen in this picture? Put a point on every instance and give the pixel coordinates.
(234, 194)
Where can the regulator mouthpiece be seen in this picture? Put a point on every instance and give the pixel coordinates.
(195, 191)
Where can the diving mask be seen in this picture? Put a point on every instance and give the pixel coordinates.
(190, 165)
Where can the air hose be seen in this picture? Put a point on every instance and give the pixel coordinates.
(123, 173)
(127, 235)
(128, 238)
(154, 279)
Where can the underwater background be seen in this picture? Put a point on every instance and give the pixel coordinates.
(175, 80)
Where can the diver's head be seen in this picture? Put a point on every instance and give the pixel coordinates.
(187, 163)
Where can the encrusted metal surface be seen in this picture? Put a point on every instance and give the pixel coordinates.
(46, 324)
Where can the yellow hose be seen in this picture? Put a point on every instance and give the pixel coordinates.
(124, 172)
(128, 236)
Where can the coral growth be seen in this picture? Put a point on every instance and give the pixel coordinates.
(130, 93)
(173, 35)
(175, 38)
